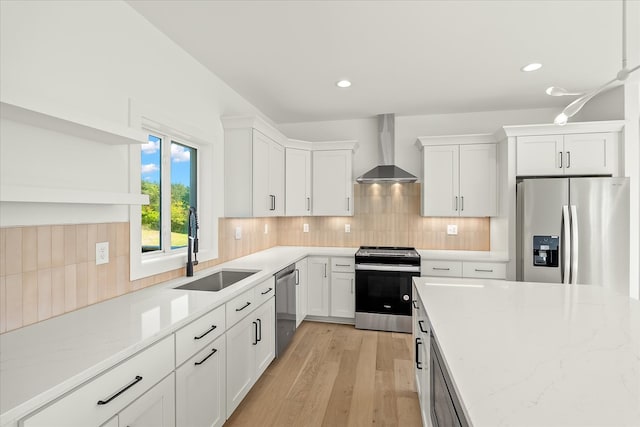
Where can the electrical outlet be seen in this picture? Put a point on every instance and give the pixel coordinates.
(305, 228)
(102, 253)
(238, 233)
(266, 229)
(452, 229)
(347, 228)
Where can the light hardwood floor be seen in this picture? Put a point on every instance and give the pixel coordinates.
(336, 375)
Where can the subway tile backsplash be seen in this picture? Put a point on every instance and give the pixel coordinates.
(46, 270)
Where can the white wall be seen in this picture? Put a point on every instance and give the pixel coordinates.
(408, 129)
(92, 57)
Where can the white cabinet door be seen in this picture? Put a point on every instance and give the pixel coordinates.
(343, 299)
(276, 178)
(266, 347)
(590, 154)
(200, 387)
(440, 185)
(240, 361)
(298, 182)
(318, 286)
(478, 182)
(332, 183)
(155, 408)
(262, 200)
(301, 294)
(539, 155)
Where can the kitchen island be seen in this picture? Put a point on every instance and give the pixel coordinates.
(534, 354)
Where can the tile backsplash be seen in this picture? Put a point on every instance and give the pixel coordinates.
(49, 270)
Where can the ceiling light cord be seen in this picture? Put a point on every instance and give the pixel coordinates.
(571, 109)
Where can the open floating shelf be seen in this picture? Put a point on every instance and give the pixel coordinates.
(83, 127)
(18, 193)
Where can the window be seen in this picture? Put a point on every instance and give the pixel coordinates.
(168, 170)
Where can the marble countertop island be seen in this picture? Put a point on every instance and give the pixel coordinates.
(536, 354)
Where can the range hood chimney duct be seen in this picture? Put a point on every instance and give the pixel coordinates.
(387, 171)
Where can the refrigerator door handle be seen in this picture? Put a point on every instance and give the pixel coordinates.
(574, 244)
(566, 254)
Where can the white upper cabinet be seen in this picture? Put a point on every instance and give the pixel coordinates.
(572, 154)
(254, 169)
(298, 182)
(459, 179)
(332, 183)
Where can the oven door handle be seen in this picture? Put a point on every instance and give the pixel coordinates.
(388, 267)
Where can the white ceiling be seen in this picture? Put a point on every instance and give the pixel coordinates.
(406, 57)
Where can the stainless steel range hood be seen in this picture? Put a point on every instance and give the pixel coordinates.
(387, 171)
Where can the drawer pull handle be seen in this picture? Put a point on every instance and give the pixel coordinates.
(244, 306)
(266, 292)
(481, 270)
(213, 351)
(137, 379)
(205, 333)
(421, 324)
(441, 268)
(343, 265)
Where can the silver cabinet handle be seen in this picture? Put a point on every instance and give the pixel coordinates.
(213, 351)
(441, 268)
(325, 270)
(297, 276)
(308, 203)
(560, 162)
(272, 198)
(568, 159)
(461, 203)
(348, 203)
(456, 208)
(490, 270)
(135, 381)
(343, 265)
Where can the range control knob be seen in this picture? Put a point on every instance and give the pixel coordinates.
(405, 297)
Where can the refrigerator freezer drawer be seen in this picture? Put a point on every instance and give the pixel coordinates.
(484, 270)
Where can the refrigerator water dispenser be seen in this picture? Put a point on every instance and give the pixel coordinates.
(545, 251)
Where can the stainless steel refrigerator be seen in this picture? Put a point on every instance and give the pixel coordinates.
(574, 230)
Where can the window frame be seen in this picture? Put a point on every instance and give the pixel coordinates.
(148, 119)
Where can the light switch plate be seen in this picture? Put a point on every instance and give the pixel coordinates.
(347, 228)
(305, 228)
(452, 229)
(238, 233)
(102, 253)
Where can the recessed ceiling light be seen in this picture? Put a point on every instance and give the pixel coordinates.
(531, 67)
(343, 83)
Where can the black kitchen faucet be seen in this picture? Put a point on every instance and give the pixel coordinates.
(192, 247)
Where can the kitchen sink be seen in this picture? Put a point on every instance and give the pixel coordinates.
(217, 281)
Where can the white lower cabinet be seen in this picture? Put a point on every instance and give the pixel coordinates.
(200, 388)
(343, 297)
(422, 361)
(155, 408)
(318, 286)
(250, 349)
(301, 291)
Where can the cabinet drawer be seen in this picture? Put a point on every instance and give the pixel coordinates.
(441, 268)
(343, 264)
(199, 333)
(264, 291)
(114, 390)
(240, 306)
(486, 270)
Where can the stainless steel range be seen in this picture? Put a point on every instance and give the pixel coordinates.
(383, 287)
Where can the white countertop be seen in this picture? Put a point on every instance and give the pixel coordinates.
(47, 359)
(534, 354)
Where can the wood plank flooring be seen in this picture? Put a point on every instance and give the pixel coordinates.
(336, 375)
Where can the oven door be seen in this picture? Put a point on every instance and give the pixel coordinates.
(384, 291)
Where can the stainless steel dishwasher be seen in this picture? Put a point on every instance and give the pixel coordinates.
(286, 281)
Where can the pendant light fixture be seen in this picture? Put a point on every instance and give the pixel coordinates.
(571, 109)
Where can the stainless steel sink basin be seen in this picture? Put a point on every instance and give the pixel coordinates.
(218, 281)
